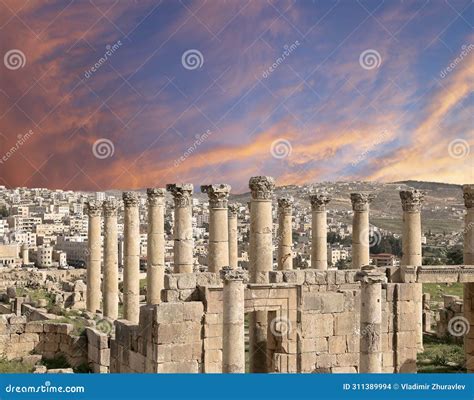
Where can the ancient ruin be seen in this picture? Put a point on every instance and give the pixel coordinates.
(365, 319)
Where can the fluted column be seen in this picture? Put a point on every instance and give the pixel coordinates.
(260, 263)
(131, 255)
(233, 338)
(183, 226)
(360, 229)
(319, 227)
(155, 275)
(93, 209)
(110, 287)
(285, 233)
(468, 304)
(218, 251)
(412, 201)
(370, 319)
(233, 235)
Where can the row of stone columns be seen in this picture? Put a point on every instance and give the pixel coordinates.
(468, 303)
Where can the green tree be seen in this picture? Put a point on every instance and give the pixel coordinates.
(454, 256)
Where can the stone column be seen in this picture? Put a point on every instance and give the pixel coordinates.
(233, 338)
(319, 227)
(155, 275)
(25, 254)
(183, 226)
(360, 229)
(411, 247)
(233, 235)
(93, 209)
(131, 256)
(285, 232)
(468, 303)
(260, 263)
(110, 288)
(218, 251)
(370, 319)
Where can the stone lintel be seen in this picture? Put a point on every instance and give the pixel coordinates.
(234, 274)
(370, 274)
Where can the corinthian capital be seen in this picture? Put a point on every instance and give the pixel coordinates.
(412, 199)
(361, 201)
(155, 196)
(93, 208)
(262, 187)
(233, 209)
(285, 205)
(218, 195)
(468, 194)
(130, 199)
(319, 201)
(182, 193)
(233, 274)
(110, 207)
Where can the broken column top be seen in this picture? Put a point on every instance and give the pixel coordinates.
(218, 194)
(361, 200)
(93, 208)
(182, 193)
(130, 199)
(468, 194)
(412, 199)
(319, 201)
(370, 274)
(262, 187)
(155, 196)
(234, 274)
(110, 207)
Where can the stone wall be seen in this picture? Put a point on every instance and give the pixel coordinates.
(452, 308)
(98, 350)
(19, 338)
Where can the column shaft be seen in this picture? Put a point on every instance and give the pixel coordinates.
(319, 228)
(360, 229)
(285, 234)
(110, 288)
(468, 303)
(131, 270)
(155, 245)
(233, 236)
(94, 248)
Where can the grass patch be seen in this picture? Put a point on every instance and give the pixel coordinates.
(436, 290)
(57, 362)
(37, 294)
(438, 355)
(14, 367)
